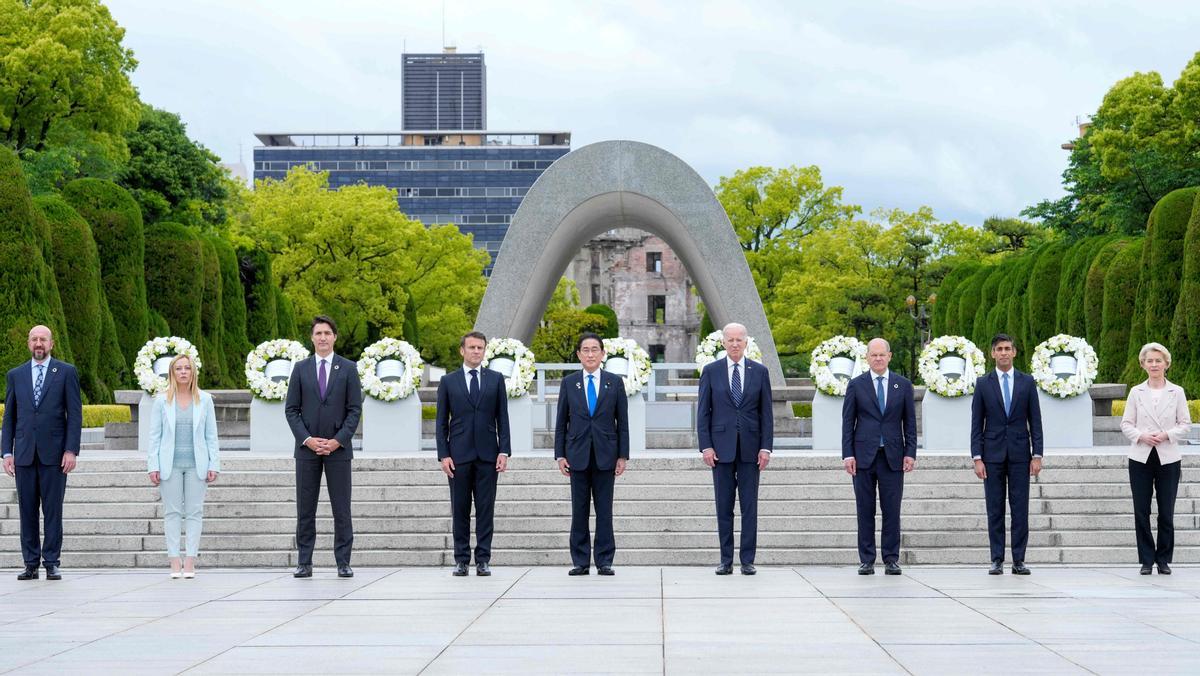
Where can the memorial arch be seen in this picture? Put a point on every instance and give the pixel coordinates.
(621, 184)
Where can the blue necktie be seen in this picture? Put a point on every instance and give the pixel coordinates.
(881, 401)
(474, 392)
(735, 389)
(591, 395)
(37, 386)
(1007, 396)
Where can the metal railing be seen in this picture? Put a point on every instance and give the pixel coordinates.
(663, 371)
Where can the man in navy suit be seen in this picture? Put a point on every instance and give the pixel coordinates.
(43, 422)
(591, 444)
(879, 444)
(736, 429)
(324, 404)
(473, 447)
(1006, 445)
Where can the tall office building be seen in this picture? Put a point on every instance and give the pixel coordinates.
(444, 91)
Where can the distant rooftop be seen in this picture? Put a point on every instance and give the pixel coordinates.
(384, 139)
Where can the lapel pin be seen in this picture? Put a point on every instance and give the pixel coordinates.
(579, 386)
(895, 386)
(336, 367)
(54, 369)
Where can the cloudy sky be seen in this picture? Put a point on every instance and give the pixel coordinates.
(959, 105)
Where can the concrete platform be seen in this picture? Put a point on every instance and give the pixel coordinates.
(654, 620)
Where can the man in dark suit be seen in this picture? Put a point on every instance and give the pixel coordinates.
(324, 404)
(591, 444)
(473, 447)
(1006, 445)
(879, 444)
(736, 429)
(43, 422)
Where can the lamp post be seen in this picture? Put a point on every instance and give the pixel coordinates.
(920, 313)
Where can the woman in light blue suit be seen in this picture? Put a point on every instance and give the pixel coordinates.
(183, 459)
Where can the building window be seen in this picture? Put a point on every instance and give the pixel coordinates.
(595, 294)
(654, 261)
(657, 309)
(658, 353)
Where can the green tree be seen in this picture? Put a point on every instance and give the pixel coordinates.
(554, 340)
(1072, 316)
(1093, 293)
(981, 332)
(945, 311)
(175, 278)
(1014, 234)
(1120, 290)
(613, 328)
(234, 342)
(1042, 301)
(117, 228)
(212, 321)
(1185, 326)
(258, 288)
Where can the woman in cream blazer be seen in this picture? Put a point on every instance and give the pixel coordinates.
(183, 458)
(1156, 419)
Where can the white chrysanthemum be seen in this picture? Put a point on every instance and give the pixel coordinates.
(143, 363)
(838, 346)
(256, 362)
(390, 348)
(1086, 365)
(518, 384)
(928, 365)
(639, 362)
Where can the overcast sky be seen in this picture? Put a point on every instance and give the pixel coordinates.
(961, 106)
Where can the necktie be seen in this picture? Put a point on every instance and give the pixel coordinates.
(881, 401)
(591, 395)
(1007, 396)
(37, 386)
(322, 381)
(474, 387)
(735, 388)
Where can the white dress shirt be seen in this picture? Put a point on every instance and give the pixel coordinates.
(34, 372)
(595, 373)
(729, 372)
(874, 383)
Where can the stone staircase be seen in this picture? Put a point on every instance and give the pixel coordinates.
(1080, 513)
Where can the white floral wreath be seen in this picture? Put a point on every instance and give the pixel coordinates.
(946, 346)
(711, 349)
(639, 362)
(837, 346)
(390, 348)
(143, 364)
(1086, 364)
(518, 384)
(256, 363)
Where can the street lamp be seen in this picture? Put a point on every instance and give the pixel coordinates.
(920, 315)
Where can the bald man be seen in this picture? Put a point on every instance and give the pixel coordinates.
(736, 429)
(879, 444)
(43, 422)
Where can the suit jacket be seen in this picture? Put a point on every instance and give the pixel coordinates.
(863, 424)
(43, 432)
(466, 431)
(1143, 417)
(996, 437)
(720, 425)
(205, 448)
(577, 433)
(334, 417)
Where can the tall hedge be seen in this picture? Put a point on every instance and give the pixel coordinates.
(77, 267)
(997, 317)
(945, 310)
(1185, 327)
(158, 326)
(1120, 291)
(981, 332)
(212, 320)
(234, 343)
(120, 240)
(25, 278)
(614, 325)
(1042, 295)
(286, 316)
(115, 372)
(63, 346)
(1093, 290)
(968, 298)
(1017, 317)
(1072, 287)
(262, 319)
(175, 278)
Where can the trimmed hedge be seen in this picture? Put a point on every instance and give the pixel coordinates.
(63, 346)
(1118, 405)
(1073, 287)
(614, 325)
(1185, 327)
(212, 321)
(286, 317)
(234, 342)
(1042, 293)
(98, 415)
(1120, 290)
(1093, 290)
(981, 332)
(968, 297)
(175, 278)
(25, 278)
(158, 326)
(116, 224)
(77, 267)
(945, 310)
(115, 372)
(262, 319)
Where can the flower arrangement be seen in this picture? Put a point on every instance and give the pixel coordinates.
(848, 347)
(143, 364)
(519, 381)
(638, 369)
(929, 365)
(1063, 345)
(256, 363)
(384, 349)
(711, 349)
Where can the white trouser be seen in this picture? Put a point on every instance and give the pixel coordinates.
(183, 500)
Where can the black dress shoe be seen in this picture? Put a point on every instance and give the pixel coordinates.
(460, 570)
(345, 571)
(866, 569)
(483, 569)
(605, 570)
(30, 573)
(1019, 568)
(580, 570)
(1164, 569)
(891, 568)
(748, 569)
(997, 568)
(303, 571)
(1146, 570)
(725, 569)
(53, 573)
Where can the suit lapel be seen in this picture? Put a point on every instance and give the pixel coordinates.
(478, 402)
(1165, 406)
(999, 391)
(581, 388)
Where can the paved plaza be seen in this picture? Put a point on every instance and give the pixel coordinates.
(823, 620)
